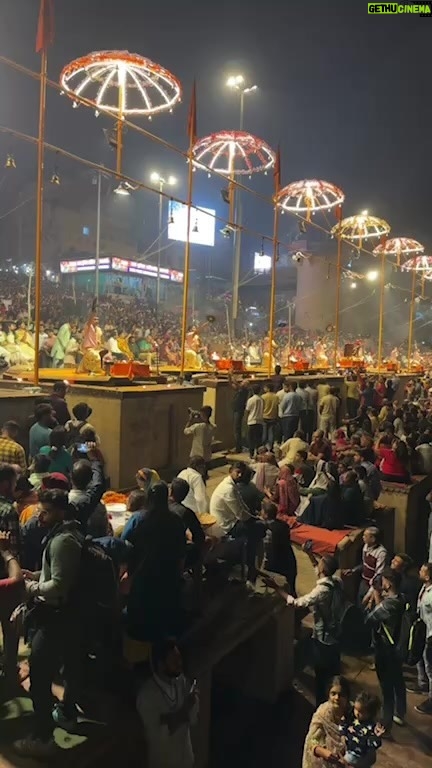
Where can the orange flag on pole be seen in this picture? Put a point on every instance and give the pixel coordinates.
(192, 121)
(45, 29)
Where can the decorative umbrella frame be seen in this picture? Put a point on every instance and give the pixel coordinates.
(308, 196)
(130, 74)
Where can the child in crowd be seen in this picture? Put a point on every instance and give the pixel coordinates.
(361, 733)
(278, 553)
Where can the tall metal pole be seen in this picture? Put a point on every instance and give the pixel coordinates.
(277, 175)
(161, 185)
(338, 287)
(381, 311)
(98, 233)
(411, 320)
(121, 96)
(29, 288)
(192, 139)
(39, 206)
(237, 235)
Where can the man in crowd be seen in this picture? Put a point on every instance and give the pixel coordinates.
(197, 499)
(277, 379)
(313, 399)
(289, 410)
(11, 452)
(306, 411)
(168, 705)
(374, 556)
(88, 485)
(323, 601)
(240, 396)
(255, 420)
(424, 667)
(328, 412)
(234, 518)
(270, 416)
(56, 628)
(41, 429)
(290, 448)
(202, 431)
(58, 402)
(384, 619)
(320, 447)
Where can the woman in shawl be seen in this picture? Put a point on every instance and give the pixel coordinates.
(286, 493)
(146, 478)
(324, 743)
(266, 471)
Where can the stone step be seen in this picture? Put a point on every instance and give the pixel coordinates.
(218, 459)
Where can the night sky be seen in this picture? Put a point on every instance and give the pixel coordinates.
(347, 95)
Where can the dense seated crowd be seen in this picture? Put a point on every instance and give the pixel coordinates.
(91, 589)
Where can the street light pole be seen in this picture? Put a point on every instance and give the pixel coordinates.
(237, 82)
(161, 181)
(161, 186)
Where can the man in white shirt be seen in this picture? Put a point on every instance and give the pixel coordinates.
(255, 420)
(168, 705)
(197, 499)
(234, 518)
(202, 432)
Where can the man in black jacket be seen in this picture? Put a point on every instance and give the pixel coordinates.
(385, 621)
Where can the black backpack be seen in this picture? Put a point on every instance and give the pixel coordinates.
(337, 622)
(73, 434)
(411, 640)
(96, 592)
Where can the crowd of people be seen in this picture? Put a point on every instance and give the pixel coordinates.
(133, 328)
(88, 593)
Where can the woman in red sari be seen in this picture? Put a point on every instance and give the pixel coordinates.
(286, 493)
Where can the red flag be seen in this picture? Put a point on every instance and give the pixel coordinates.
(192, 120)
(45, 29)
(277, 171)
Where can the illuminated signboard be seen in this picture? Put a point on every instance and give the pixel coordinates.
(83, 265)
(262, 263)
(202, 224)
(121, 265)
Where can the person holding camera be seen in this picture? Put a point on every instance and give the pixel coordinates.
(202, 431)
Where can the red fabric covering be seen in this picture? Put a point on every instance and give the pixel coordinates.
(324, 542)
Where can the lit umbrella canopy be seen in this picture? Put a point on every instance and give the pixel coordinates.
(418, 263)
(399, 246)
(122, 82)
(422, 265)
(233, 153)
(309, 195)
(361, 227)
